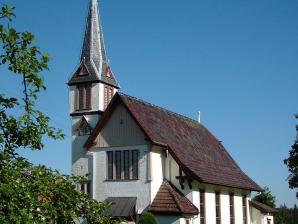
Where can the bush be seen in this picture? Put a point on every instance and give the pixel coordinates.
(147, 218)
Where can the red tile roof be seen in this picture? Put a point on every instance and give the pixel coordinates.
(194, 148)
(262, 207)
(169, 200)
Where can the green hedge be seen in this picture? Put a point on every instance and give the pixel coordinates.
(147, 218)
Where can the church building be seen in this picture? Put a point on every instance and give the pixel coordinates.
(144, 158)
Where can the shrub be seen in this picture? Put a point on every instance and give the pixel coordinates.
(147, 218)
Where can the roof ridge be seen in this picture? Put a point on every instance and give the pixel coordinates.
(162, 108)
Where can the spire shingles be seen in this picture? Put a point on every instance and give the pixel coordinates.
(93, 54)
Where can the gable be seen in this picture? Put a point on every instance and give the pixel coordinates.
(120, 130)
(199, 154)
(83, 127)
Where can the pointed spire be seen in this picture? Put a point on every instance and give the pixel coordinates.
(93, 47)
(93, 54)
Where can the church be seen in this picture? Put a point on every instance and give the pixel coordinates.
(144, 158)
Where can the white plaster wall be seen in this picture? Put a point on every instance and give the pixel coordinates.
(268, 217)
(71, 98)
(238, 209)
(130, 188)
(194, 196)
(96, 98)
(79, 158)
(174, 171)
(156, 171)
(256, 216)
(247, 208)
(225, 207)
(101, 96)
(210, 207)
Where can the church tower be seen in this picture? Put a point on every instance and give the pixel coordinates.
(91, 88)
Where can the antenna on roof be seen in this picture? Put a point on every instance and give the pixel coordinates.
(199, 116)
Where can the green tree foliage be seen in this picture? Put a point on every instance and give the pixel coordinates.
(29, 193)
(292, 163)
(147, 218)
(287, 215)
(266, 198)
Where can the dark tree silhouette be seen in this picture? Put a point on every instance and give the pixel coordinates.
(292, 163)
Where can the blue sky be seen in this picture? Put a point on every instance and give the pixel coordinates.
(234, 60)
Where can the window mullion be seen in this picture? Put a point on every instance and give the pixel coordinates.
(114, 165)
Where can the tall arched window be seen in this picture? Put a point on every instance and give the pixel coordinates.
(84, 97)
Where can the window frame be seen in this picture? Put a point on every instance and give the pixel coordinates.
(84, 97)
(232, 209)
(118, 171)
(244, 208)
(202, 206)
(84, 129)
(217, 207)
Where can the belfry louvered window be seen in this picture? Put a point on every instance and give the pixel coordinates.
(108, 95)
(83, 97)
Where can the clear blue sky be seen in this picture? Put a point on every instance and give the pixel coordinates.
(234, 60)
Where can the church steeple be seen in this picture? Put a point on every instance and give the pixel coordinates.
(93, 55)
(93, 47)
(91, 88)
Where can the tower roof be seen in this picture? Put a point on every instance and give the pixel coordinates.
(93, 56)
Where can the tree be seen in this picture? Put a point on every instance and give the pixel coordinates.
(266, 198)
(147, 218)
(292, 163)
(281, 216)
(29, 193)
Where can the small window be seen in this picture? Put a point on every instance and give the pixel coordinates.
(232, 211)
(83, 127)
(84, 97)
(187, 221)
(244, 207)
(123, 165)
(217, 205)
(202, 206)
(85, 130)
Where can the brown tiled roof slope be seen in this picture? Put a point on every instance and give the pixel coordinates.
(195, 148)
(169, 200)
(262, 207)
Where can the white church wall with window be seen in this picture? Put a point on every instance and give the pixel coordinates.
(217, 204)
(136, 185)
